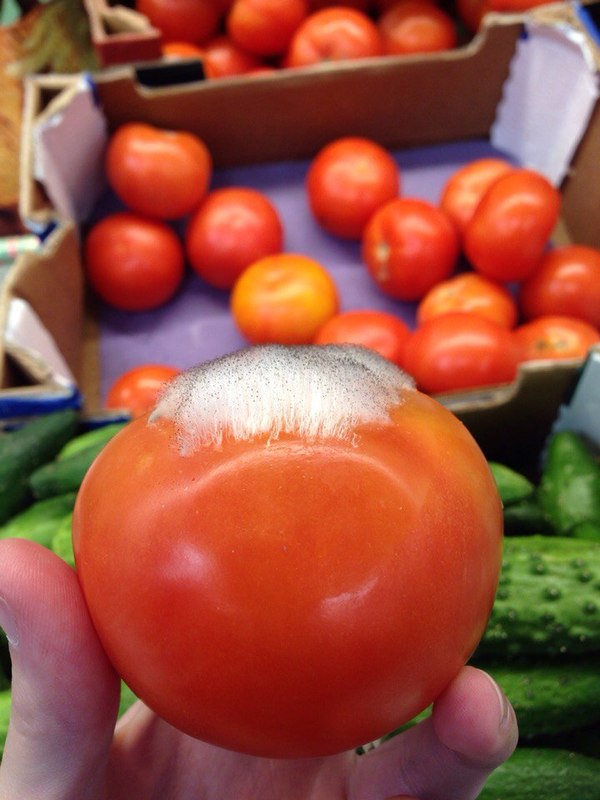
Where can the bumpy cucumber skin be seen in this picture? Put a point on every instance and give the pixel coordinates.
(23, 450)
(569, 489)
(548, 599)
(551, 698)
(544, 774)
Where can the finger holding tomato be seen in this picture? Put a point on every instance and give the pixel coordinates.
(157, 172)
(339, 575)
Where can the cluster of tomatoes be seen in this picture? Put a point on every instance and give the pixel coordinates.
(233, 37)
(489, 290)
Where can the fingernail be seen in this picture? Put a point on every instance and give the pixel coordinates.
(505, 706)
(8, 623)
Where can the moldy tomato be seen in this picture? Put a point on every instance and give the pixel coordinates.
(294, 554)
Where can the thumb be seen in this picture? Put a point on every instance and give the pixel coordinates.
(64, 692)
(449, 756)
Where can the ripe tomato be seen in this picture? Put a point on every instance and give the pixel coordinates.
(473, 293)
(133, 263)
(223, 58)
(347, 181)
(408, 246)
(555, 337)
(265, 27)
(461, 351)
(182, 20)
(177, 50)
(416, 26)
(157, 172)
(333, 34)
(467, 185)
(565, 282)
(138, 389)
(377, 330)
(283, 298)
(294, 555)
(232, 228)
(511, 226)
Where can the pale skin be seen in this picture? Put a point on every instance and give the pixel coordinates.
(63, 744)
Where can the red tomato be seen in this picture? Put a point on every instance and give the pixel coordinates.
(467, 185)
(283, 298)
(511, 226)
(408, 246)
(461, 351)
(295, 556)
(555, 337)
(472, 293)
(416, 26)
(377, 330)
(138, 389)
(565, 282)
(334, 34)
(177, 50)
(347, 181)
(157, 172)
(232, 228)
(133, 263)
(265, 27)
(182, 20)
(223, 58)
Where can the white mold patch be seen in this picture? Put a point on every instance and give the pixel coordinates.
(314, 392)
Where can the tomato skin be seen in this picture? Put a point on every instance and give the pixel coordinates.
(555, 337)
(464, 189)
(566, 282)
(408, 246)
(333, 34)
(133, 263)
(416, 26)
(157, 172)
(511, 226)
(192, 21)
(283, 298)
(377, 330)
(473, 293)
(347, 181)
(137, 390)
(461, 351)
(327, 591)
(265, 27)
(232, 228)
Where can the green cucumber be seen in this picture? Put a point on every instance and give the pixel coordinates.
(40, 521)
(4, 718)
(587, 530)
(533, 773)
(63, 475)
(62, 541)
(569, 489)
(548, 599)
(551, 698)
(524, 518)
(128, 698)
(25, 449)
(513, 487)
(91, 438)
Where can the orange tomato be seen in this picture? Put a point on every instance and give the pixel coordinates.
(379, 331)
(469, 292)
(138, 389)
(283, 299)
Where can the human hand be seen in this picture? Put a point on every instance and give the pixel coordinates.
(63, 744)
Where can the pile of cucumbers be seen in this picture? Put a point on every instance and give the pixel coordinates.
(542, 643)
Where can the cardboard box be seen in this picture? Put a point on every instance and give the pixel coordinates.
(121, 35)
(487, 91)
